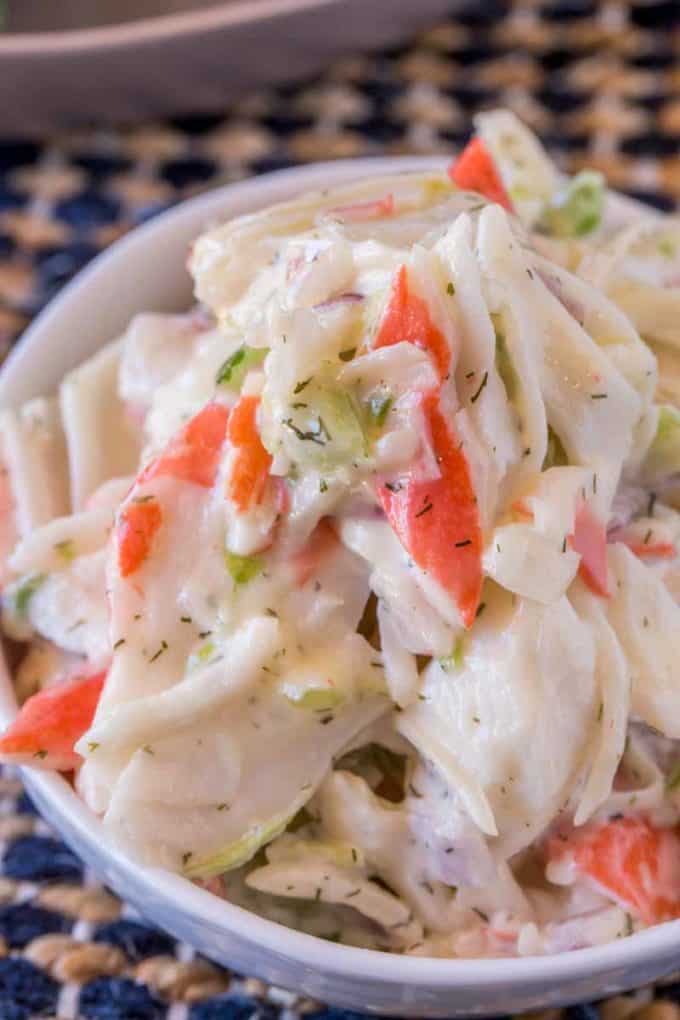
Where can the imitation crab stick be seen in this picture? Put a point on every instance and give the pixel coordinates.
(193, 455)
(590, 541)
(643, 547)
(632, 860)
(138, 522)
(437, 521)
(250, 468)
(407, 318)
(51, 722)
(474, 170)
(362, 212)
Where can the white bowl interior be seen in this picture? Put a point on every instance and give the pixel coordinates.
(146, 271)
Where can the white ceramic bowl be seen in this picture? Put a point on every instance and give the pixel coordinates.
(146, 271)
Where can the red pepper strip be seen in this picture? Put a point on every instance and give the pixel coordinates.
(193, 455)
(362, 212)
(137, 525)
(632, 860)
(51, 722)
(643, 550)
(251, 465)
(590, 541)
(474, 170)
(437, 521)
(407, 318)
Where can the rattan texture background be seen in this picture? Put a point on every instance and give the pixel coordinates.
(600, 82)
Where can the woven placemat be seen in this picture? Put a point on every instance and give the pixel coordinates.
(600, 82)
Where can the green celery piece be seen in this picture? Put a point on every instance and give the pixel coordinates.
(234, 370)
(246, 846)
(577, 208)
(663, 457)
(25, 592)
(242, 568)
(504, 363)
(555, 455)
(326, 428)
(379, 407)
(455, 660)
(315, 699)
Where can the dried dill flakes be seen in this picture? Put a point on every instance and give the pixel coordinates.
(119, 643)
(450, 289)
(185, 619)
(42, 754)
(598, 396)
(323, 485)
(320, 435)
(299, 387)
(461, 545)
(92, 746)
(186, 857)
(651, 504)
(477, 394)
(157, 655)
(427, 506)
(348, 354)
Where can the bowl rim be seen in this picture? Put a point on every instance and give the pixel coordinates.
(154, 28)
(344, 961)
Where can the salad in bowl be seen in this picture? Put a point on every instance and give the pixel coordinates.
(352, 593)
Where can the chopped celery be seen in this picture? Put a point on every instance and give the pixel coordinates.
(234, 370)
(25, 591)
(663, 456)
(379, 407)
(313, 697)
(66, 550)
(455, 660)
(16, 599)
(504, 364)
(325, 429)
(673, 778)
(202, 655)
(331, 851)
(667, 247)
(577, 208)
(555, 455)
(242, 568)
(243, 849)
